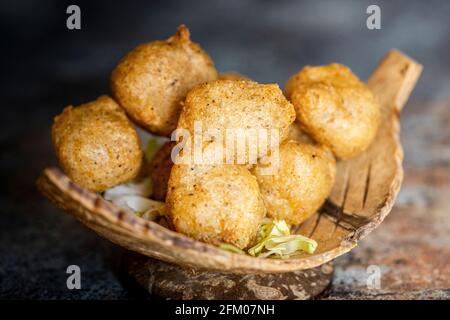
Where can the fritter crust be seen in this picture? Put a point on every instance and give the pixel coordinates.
(335, 108)
(234, 104)
(215, 204)
(159, 169)
(96, 144)
(303, 182)
(298, 135)
(152, 80)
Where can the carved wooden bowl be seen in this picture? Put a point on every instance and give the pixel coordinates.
(363, 195)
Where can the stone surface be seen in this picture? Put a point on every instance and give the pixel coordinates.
(45, 67)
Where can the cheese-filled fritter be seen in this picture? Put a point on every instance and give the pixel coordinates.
(96, 144)
(303, 182)
(335, 108)
(215, 204)
(159, 169)
(242, 107)
(152, 80)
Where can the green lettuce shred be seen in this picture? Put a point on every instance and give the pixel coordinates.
(151, 148)
(274, 240)
(231, 248)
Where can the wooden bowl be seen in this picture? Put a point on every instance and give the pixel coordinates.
(364, 193)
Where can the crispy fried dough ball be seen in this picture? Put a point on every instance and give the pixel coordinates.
(151, 81)
(303, 182)
(96, 145)
(231, 104)
(215, 204)
(298, 135)
(335, 108)
(159, 169)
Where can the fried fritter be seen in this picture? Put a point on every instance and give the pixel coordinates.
(96, 144)
(224, 105)
(215, 204)
(303, 182)
(298, 135)
(159, 169)
(335, 108)
(152, 80)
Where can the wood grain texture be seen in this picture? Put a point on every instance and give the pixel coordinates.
(363, 195)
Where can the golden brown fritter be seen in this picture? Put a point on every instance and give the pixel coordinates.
(298, 135)
(96, 144)
(151, 81)
(230, 104)
(159, 169)
(303, 182)
(335, 108)
(215, 204)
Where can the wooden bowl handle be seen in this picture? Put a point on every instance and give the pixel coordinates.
(394, 79)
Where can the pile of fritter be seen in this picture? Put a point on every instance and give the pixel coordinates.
(325, 113)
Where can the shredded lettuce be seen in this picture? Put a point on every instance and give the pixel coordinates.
(142, 188)
(150, 143)
(231, 248)
(141, 204)
(134, 196)
(152, 146)
(274, 239)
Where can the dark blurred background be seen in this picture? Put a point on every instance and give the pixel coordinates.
(45, 66)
